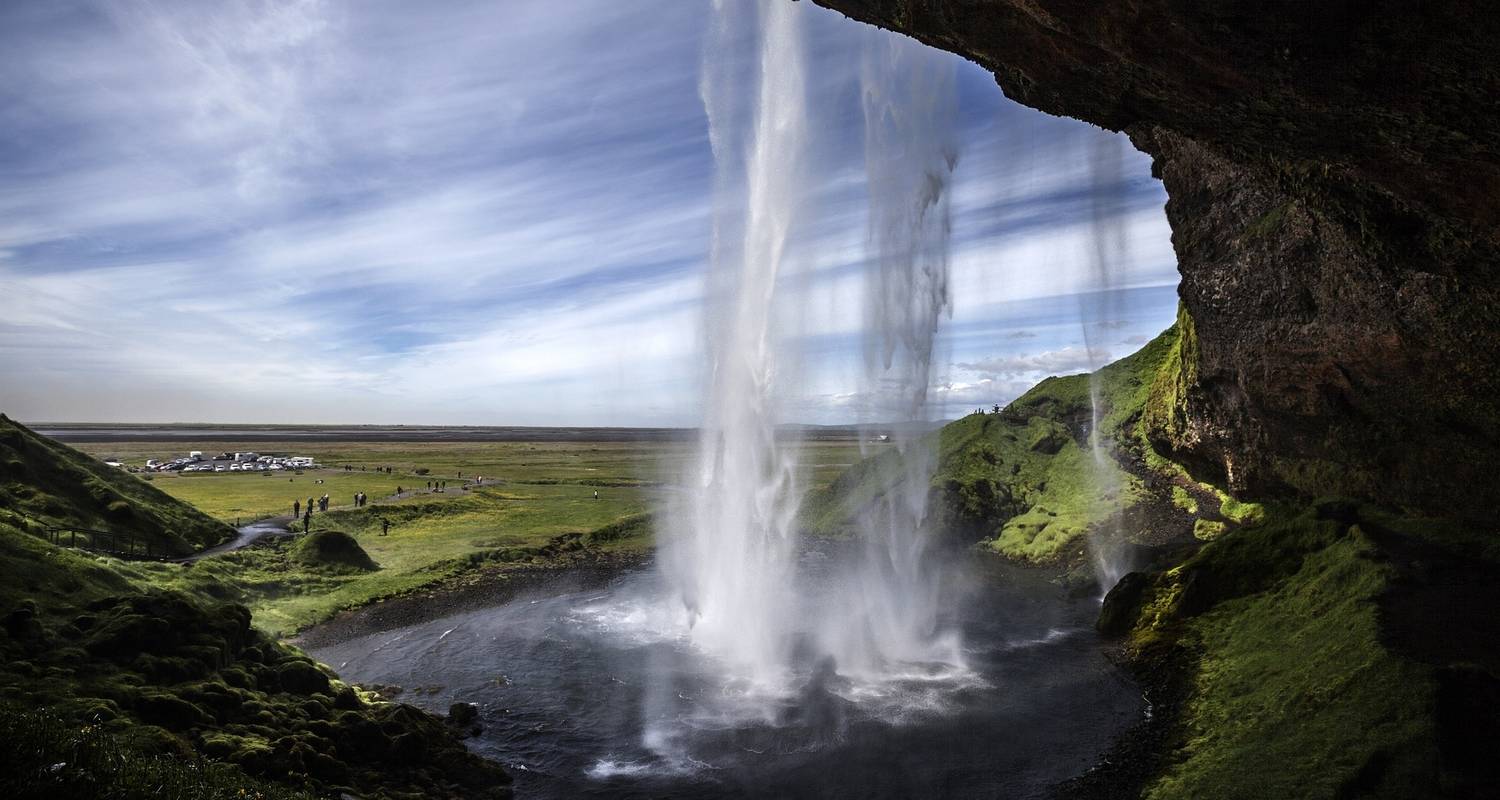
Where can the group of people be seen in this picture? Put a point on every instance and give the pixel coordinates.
(298, 510)
(362, 468)
(360, 499)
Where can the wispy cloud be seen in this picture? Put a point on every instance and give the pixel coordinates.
(294, 210)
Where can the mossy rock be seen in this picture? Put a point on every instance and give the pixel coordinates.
(302, 677)
(332, 549)
(1208, 530)
(171, 712)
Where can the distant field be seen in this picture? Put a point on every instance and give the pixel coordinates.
(543, 489)
(231, 496)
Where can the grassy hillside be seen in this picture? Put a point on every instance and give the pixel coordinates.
(1024, 481)
(1329, 652)
(44, 483)
(155, 679)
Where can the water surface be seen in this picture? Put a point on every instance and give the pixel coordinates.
(598, 694)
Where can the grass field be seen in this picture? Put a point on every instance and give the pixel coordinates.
(247, 497)
(534, 491)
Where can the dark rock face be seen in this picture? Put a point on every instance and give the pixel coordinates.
(1334, 175)
(1123, 604)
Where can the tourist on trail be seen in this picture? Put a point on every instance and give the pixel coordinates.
(385, 527)
(307, 521)
(311, 501)
(296, 508)
(596, 494)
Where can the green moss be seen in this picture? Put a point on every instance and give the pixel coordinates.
(1240, 512)
(1208, 530)
(1268, 223)
(1294, 694)
(1162, 407)
(1183, 499)
(45, 756)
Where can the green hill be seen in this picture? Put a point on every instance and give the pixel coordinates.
(169, 692)
(47, 484)
(1024, 481)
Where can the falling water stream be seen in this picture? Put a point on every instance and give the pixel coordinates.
(1101, 310)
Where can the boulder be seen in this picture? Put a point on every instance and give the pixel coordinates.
(1122, 605)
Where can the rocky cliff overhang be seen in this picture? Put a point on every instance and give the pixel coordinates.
(1333, 170)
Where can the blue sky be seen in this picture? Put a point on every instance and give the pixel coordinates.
(480, 213)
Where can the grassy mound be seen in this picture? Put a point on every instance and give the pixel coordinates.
(334, 549)
(47, 484)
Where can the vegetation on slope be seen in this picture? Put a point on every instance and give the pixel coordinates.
(1297, 684)
(47, 484)
(170, 676)
(1025, 481)
(43, 757)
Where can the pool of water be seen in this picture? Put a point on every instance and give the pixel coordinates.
(597, 693)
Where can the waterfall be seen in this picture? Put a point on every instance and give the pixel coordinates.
(1101, 310)
(730, 550)
(889, 600)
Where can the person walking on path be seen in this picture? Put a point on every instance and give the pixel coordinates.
(307, 521)
(596, 494)
(296, 508)
(385, 527)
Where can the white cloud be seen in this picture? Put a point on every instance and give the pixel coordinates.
(472, 213)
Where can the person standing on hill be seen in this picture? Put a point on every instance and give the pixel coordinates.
(385, 527)
(307, 520)
(296, 508)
